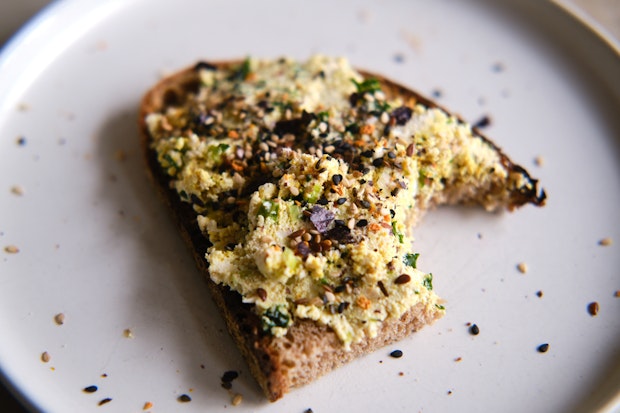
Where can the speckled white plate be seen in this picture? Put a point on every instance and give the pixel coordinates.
(96, 244)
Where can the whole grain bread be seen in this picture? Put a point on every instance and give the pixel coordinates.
(308, 349)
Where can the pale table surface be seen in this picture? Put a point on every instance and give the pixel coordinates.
(14, 13)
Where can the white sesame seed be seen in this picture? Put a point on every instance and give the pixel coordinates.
(237, 399)
(385, 118)
(11, 249)
(351, 223)
(17, 190)
(522, 267)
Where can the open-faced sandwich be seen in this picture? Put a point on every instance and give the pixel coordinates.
(296, 185)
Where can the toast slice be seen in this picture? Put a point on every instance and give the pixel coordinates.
(296, 185)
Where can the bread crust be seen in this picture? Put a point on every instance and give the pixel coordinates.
(308, 350)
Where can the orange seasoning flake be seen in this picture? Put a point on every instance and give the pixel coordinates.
(374, 227)
(363, 302)
(367, 129)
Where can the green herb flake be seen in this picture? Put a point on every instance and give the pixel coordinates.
(242, 71)
(215, 152)
(397, 233)
(411, 259)
(275, 317)
(269, 209)
(352, 128)
(422, 178)
(168, 158)
(323, 116)
(428, 282)
(367, 86)
(439, 306)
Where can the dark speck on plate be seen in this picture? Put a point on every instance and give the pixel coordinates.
(184, 398)
(104, 401)
(498, 67)
(483, 122)
(396, 354)
(399, 58)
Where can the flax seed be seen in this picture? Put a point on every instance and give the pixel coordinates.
(402, 279)
(59, 319)
(593, 308)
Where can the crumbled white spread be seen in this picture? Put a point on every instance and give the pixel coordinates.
(365, 166)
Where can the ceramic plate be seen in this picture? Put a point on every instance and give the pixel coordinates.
(84, 235)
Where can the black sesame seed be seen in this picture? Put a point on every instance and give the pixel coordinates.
(368, 154)
(377, 163)
(104, 401)
(365, 204)
(474, 330)
(229, 376)
(340, 223)
(391, 155)
(90, 389)
(322, 201)
(396, 354)
(336, 179)
(341, 201)
(482, 122)
(543, 348)
(341, 307)
(21, 141)
(362, 223)
(184, 398)
(340, 289)
(383, 289)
